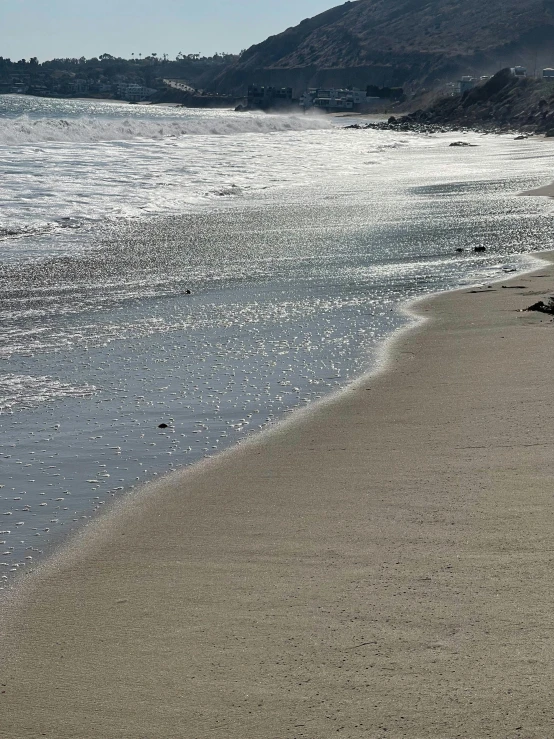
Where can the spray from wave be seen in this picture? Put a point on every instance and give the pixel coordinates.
(27, 130)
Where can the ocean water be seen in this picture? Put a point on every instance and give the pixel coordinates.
(210, 272)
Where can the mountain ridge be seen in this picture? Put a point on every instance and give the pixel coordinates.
(418, 43)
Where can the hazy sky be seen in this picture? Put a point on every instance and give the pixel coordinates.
(74, 28)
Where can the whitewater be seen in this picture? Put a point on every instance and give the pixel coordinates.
(173, 280)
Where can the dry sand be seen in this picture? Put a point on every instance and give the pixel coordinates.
(383, 567)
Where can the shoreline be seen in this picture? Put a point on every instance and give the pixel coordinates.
(73, 542)
(362, 567)
(78, 484)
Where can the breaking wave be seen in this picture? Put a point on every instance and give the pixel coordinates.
(18, 230)
(222, 192)
(27, 130)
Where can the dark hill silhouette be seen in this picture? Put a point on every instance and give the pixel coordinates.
(418, 43)
(502, 103)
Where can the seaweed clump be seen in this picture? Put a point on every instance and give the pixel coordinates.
(543, 307)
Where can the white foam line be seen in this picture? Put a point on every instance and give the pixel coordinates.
(27, 130)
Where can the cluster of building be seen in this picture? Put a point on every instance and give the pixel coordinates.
(330, 99)
(468, 83)
(44, 85)
(546, 73)
(133, 92)
(334, 99)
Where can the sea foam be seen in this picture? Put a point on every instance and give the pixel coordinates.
(28, 130)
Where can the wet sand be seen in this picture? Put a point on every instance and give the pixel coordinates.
(544, 191)
(380, 567)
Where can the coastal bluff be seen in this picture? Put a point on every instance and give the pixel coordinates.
(504, 102)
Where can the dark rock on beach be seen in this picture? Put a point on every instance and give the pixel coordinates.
(543, 307)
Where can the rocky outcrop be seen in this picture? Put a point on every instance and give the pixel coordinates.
(542, 307)
(503, 103)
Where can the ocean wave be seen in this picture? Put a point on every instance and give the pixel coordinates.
(223, 192)
(27, 130)
(19, 230)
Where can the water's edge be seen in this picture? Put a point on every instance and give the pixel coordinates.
(76, 542)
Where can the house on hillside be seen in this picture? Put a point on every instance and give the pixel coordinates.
(465, 84)
(77, 87)
(134, 92)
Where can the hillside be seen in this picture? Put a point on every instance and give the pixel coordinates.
(412, 43)
(503, 103)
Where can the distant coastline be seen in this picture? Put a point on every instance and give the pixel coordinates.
(151, 78)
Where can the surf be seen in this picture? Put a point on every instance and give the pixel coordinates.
(27, 129)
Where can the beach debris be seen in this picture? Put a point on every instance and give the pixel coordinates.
(543, 307)
(459, 249)
(462, 143)
(163, 426)
(479, 248)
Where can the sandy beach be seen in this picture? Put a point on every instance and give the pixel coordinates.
(379, 567)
